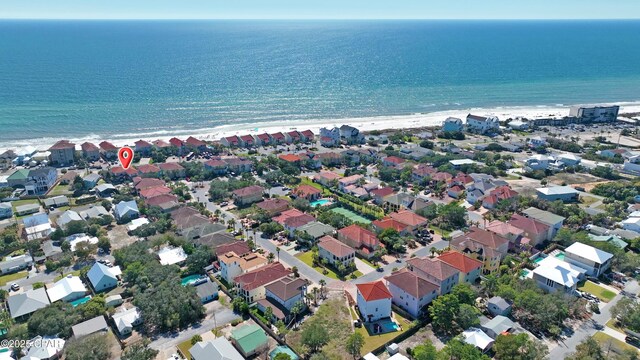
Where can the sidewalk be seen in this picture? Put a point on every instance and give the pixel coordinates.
(614, 333)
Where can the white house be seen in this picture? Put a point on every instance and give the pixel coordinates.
(632, 223)
(44, 348)
(37, 227)
(553, 274)
(477, 338)
(537, 141)
(595, 261)
(170, 255)
(374, 301)
(126, 320)
(410, 291)
(103, 277)
(216, 349)
(538, 162)
(67, 289)
(482, 125)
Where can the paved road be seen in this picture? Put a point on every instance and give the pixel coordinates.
(587, 329)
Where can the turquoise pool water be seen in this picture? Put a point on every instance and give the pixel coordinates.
(81, 301)
(320, 202)
(190, 279)
(560, 255)
(524, 273)
(538, 259)
(386, 326)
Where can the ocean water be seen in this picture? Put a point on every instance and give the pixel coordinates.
(122, 79)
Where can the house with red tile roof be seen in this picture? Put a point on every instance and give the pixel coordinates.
(149, 170)
(238, 165)
(119, 171)
(109, 150)
(248, 195)
(179, 144)
(387, 222)
(231, 141)
(379, 194)
(461, 179)
(330, 158)
(161, 144)
(374, 301)
(146, 183)
(216, 166)
(486, 246)
(167, 202)
(411, 292)
(273, 206)
(239, 248)
(292, 137)
(62, 152)
(263, 139)
(422, 172)
(500, 193)
(172, 170)
(90, 151)
(307, 192)
(154, 191)
(469, 269)
(506, 230)
(307, 136)
(278, 138)
(248, 141)
(364, 241)
(335, 252)
(143, 147)
(195, 144)
(409, 218)
(281, 296)
(251, 285)
(349, 180)
(392, 161)
(441, 176)
(455, 191)
(436, 271)
(533, 229)
(326, 178)
(291, 224)
(290, 158)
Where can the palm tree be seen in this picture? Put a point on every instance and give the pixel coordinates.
(315, 296)
(322, 285)
(433, 251)
(295, 311)
(278, 251)
(270, 257)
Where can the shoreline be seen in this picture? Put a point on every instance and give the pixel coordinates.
(381, 122)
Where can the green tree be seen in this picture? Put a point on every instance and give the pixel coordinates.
(314, 336)
(199, 259)
(467, 316)
(195, 339)
(443, 312)
(93, 347)
(519, 347)
(282, 356)
(464, 293)
(426, 351)
(139, 352)
(354, 344)
(458, 350)
(588, 349)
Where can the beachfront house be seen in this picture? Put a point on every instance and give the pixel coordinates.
(452, 124)
(330, 137)
(482, 124)
(62, 153)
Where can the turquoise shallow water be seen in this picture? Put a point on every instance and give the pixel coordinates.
(115, 79)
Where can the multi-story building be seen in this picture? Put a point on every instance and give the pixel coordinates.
(482, 124)
(62, 153)
(595, 113)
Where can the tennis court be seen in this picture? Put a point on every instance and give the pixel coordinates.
(351, 215)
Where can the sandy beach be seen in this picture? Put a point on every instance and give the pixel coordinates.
(363, 123)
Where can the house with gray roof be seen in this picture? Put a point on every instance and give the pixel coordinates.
(94, 212)
(25, 303)
(6, 210)
(89, 327)
(206, 290)
(498, 325)
(216, 349)
(103, 277)
(15, 264)
(67, 217)
(56, 201)
(27, 209)
(498, 306)
(314, 230)
(105, 190)
(125, 211)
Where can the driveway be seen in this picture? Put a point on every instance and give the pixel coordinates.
(587, 328)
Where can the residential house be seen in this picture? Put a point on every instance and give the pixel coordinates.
(398, 201)
(292, 219)
(262, 139)
(378, 195)
(240, 248)
(91, 326)
(36, 226)
(251, 285)
(436, 271)
(455, 191)
(149, 171)
(233, 265)
(44, 348)
(537, 141)
(393, 161)
(161, 144)
(178, 144)
(499, 325)
(409, 218)
(488, 247)
(538, 162)
(126, 319)
(330, 159)
(16, 263)
(91, 180)
(553, 193)
(172, 170)
(482, 124)
(6, 159)
(143, 147)
(293, 137)
(122, 173)
(216, 166)
(364, 241)
(313, 231)
(327, 178)
(247, 141)
(553, 274)
(248, 195)
(349, 180)
(103, 277)
(206, 290)
(513, 234)
(108, 150)
(307, 136)
(554, 221)
(389, 223)
(63, 153)
(477, 338)
(330, 137)
(23, 304)
(518, 124)
(126, 211)
(172, 255)
(273, 206)
(67, 217)
(67, 289)
(237, 165)
(56, 201)
(569, 159)
(217, 349)
(536, 231)
(452, 124)
(166, 202)
(281, 296)
(498, 306)
(351, 135)
(90, 151)
(195, 145)
(594, 260)
(290, 158)
(231, 141)
(307, 192)
(469, 269)
(374, 301)
(41, 180)
(498, 194)
(335, 252)
(411, 292)
(250, 340)
(278, 138)
(6, 210)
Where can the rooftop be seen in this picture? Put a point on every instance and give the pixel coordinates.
(372, 291)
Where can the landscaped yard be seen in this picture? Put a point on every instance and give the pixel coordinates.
(612, 323)
(60, 190)
(184, 347)
(371, 342)
(597, 290)
(439, 230)
(4, 279)
(74, 273)
(307, 258)
(23, 202)
(616, 345)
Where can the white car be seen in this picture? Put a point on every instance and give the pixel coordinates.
(15, 287)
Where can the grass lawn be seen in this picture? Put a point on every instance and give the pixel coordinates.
(4, 279)
(373, 341)
(184, 347)
(587, 200)
(333, 315)
(307, 258)
(74, 273)
(596, 290)
(612, 323)
(616, 345)
(60, 190)
(23, 202)
(439, 230)
(307, 181)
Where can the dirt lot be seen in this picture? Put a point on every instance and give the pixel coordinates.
(572, 179)
(119, 238)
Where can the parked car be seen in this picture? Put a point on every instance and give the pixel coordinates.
(15, 287)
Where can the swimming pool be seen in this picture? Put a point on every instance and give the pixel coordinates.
(560, 255)
(384, 326)
(81, 301)
(191, 279)
(320, 202)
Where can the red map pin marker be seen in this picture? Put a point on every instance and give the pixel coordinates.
(125, 155)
